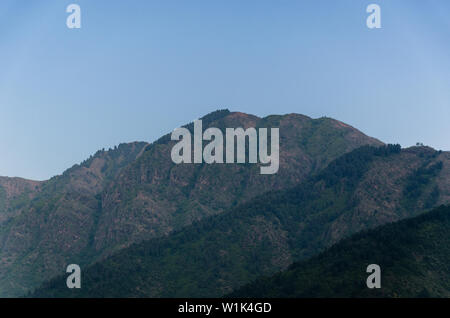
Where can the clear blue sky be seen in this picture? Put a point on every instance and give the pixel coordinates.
(138, 69)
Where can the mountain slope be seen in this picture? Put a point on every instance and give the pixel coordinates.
(265, 235)
(414, 256)
(47, 228)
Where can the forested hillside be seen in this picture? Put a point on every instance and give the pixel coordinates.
(413, 254)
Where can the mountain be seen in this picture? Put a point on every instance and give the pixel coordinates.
(365, 188)
(154, 196)
(413, 254)
(136, 193)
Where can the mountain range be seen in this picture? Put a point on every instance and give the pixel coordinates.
(141, 226)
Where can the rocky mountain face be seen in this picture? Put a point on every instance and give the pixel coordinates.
(49, 221)
(413, 255)
(13, 193)
(136, 192)
(360, 190)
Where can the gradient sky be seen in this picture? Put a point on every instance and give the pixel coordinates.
(138, 69)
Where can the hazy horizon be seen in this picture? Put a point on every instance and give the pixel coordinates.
(136, 70)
